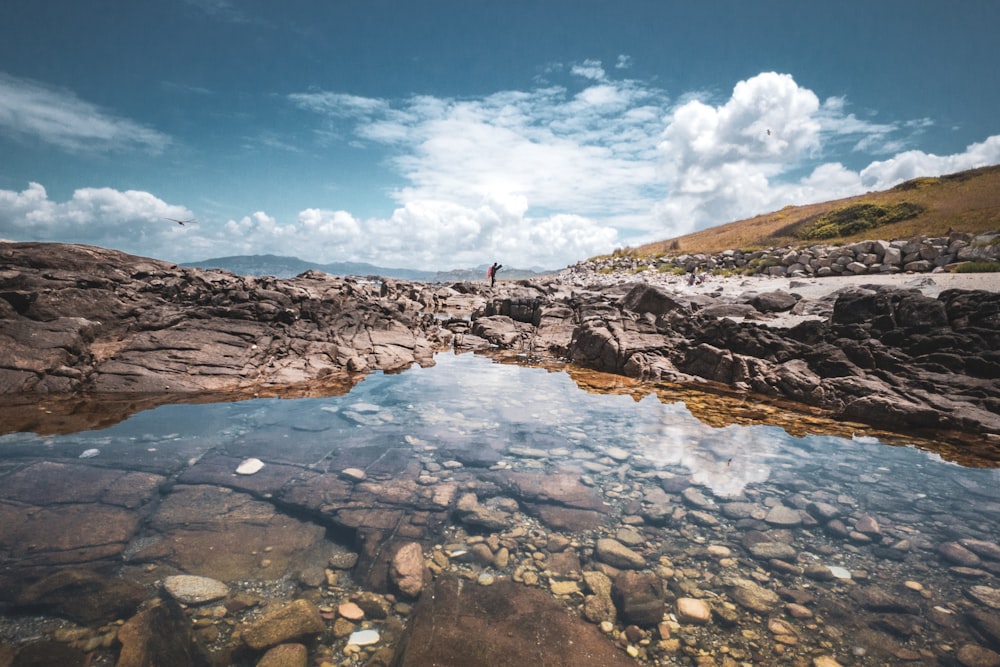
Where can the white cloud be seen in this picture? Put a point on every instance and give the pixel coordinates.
(539, 177)
(133, 221)
(31, 110)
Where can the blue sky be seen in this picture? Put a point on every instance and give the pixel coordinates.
(442, 134)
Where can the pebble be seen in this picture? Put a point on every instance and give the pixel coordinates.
(249, 467)
(89, 453)
(364, 638)
(693, 611)
(354, 474)
(350, 611)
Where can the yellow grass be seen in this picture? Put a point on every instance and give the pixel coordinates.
(965, 202)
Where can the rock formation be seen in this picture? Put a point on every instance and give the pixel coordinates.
(84, 321)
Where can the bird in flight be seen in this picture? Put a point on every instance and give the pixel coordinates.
(180, 222)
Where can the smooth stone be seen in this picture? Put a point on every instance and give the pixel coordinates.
(89, 453)
(364, 638)
(616, 554)
(191, 589)
(693, 611)
(782, 516)
(985, 595)
(350, 611)
(354, 474)
(249, 467)
(839, 572)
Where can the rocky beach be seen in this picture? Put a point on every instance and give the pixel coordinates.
(368, 546)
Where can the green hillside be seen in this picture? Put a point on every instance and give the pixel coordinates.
(968, 201)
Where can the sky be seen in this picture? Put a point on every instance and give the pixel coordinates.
(443, 134)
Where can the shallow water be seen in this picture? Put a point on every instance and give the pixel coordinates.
(636, 446)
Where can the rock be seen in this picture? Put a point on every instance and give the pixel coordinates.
(472, 513)
(972, 655)
(407, 569)
(985, 595)
(953, 552)
(159, 635)
(982, 548)
(752, 596)
(692, 611)
(249, 467)
(364, 638)
(83, 595)
(824, 661)
(297, 619)
(783, 517)
(503, 624)
(350, 611)
(616, 554)
(639, 598)
(191, 589)
(772, 550)
(285, 655)
(774, 302)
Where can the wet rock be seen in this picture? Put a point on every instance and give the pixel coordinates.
(881, 600)
(599, 606)
(616, 554)
(159, 635)
(783, 517)
(285, 655)
(693, 611)
(83, 595)
(973, 655)
(407, 569)
(953, 552)
(297, 619)
(639, 598)
(472, 513)
(982, 548)
(190, 589)
(988, 625)
(985, 595)
(752, 596)
(503, 624)
(823, 512)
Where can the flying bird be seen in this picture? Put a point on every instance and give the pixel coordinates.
(769, 133)
(180, 222)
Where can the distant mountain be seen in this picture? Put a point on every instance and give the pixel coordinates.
(288, 267)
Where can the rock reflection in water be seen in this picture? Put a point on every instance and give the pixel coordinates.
(775, 535)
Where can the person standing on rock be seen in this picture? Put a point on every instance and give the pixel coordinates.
(492, 273)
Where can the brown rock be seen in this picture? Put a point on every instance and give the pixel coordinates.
(285, 655)
(505, 625)
(292, 621)
(639, 598)
(159, 635)
(407, 569)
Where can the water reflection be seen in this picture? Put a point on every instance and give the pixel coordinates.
(167, 475)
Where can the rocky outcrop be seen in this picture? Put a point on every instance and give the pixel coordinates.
(86, 321)
(82, 319)
(917, 255)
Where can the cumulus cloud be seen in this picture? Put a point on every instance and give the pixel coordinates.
(32, 111)
(131, 220)
(538, 177)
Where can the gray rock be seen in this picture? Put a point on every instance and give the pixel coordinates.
(616, 554)
(191, 589)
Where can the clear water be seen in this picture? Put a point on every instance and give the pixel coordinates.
(625, 443)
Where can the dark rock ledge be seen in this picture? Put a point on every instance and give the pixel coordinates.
(83, 321)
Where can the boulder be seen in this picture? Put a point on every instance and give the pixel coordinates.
(505, 624)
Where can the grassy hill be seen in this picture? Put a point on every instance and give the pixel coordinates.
(968, 201)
